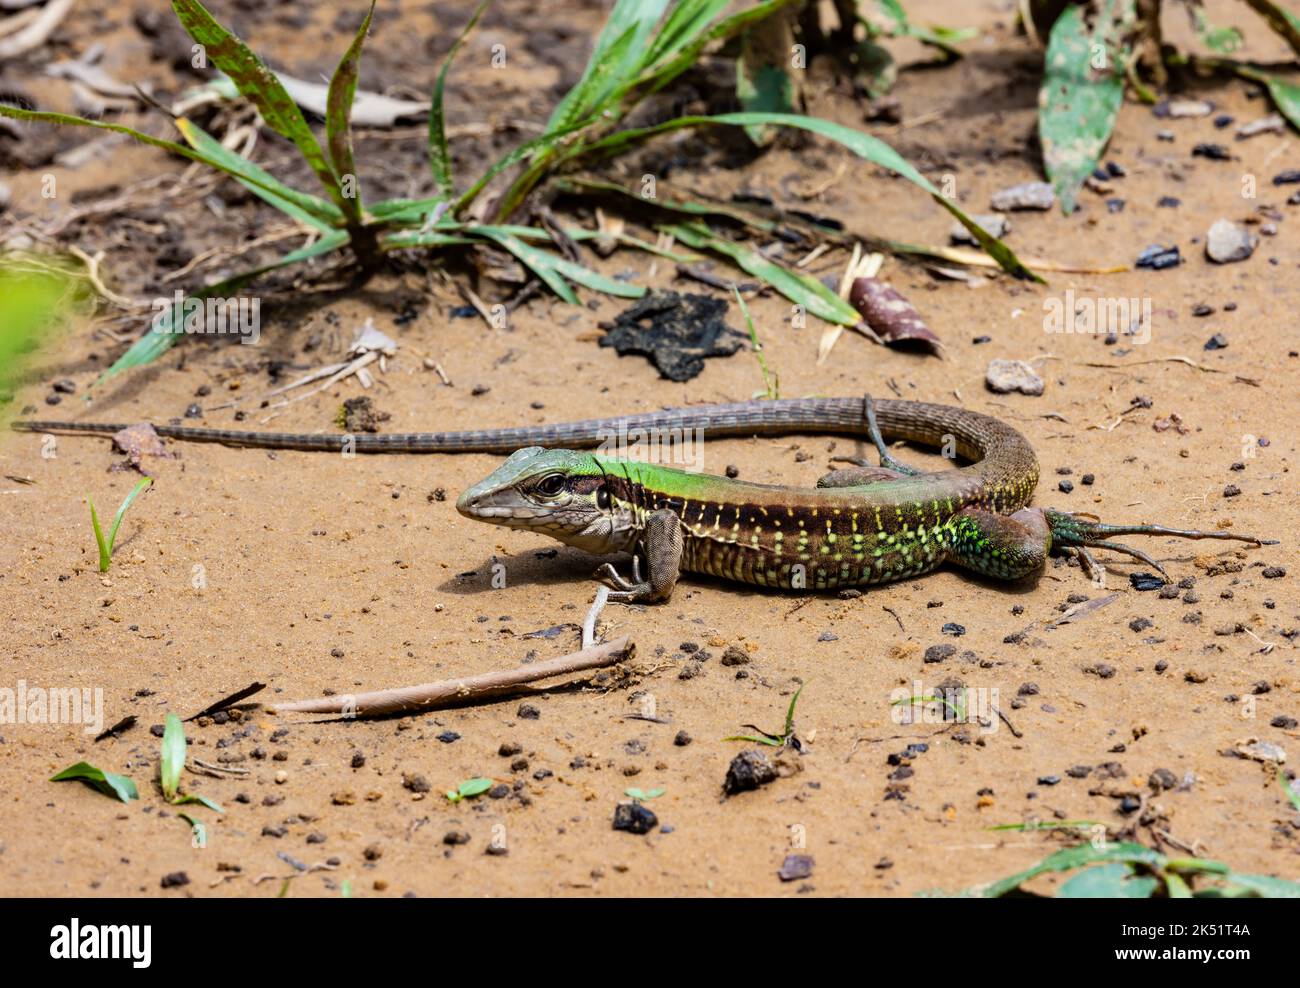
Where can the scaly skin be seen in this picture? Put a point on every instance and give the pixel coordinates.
(857, 527)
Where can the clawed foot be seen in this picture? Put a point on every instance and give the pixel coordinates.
(622, 590)
(1077, 535)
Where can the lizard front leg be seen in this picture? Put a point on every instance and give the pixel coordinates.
(661, 542)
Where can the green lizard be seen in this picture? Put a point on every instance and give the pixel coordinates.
(858, 526)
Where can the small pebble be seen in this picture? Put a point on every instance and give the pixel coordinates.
(634, 818)
(1005, 376)
(1157, 257)
(1027, 195)
(796, 867)
(1227, 242)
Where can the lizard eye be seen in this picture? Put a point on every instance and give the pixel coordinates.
(551, 486)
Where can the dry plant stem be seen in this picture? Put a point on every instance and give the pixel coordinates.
(37, 32)
(224, 252)
(14, 24)
(351, 368)
(488, 685)
(92, 273)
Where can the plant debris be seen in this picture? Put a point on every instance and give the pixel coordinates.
(893, 318)
(676, 331)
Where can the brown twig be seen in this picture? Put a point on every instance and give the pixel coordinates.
(488, 685)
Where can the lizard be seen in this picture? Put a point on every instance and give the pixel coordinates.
(860, 525)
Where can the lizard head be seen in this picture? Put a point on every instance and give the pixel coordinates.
(562, 493)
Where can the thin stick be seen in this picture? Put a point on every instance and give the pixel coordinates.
(589, 624)
(488, 685)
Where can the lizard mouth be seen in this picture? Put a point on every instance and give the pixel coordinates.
(497, 506)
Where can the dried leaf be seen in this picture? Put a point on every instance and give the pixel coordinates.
(888, 313)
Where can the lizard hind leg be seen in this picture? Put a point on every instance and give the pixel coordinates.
(1071, 531)
(887, 459)
(1005, 546)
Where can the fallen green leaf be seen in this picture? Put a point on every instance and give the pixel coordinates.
(642, 795)
(106, 782)
(469, 788)
(173, 757)
(1082, 89)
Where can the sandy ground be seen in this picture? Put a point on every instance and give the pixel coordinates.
(313, 572)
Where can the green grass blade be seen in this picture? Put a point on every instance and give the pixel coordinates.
(105, 782)
(789, 714)
(771, 382)
(540, 262)
(1109, 881)
(746, 217)
(338, 119)
(406, 239)
(588, 97)
(685, 23)
(615, 58)
(156, 342)
(799, 288)
(104, 555)
(753, 739)
(1285, 95)
(172, 759)
(1177, 886)
(313, 211)
(863, 145)
(1068, 859)
(669, 68)
(509, 160)
(405, 210)
(200, 799)
(1078, 102)
(311, 204)
(439, 153)
(554, 269)
(943, 38)
(596, 281)
(1047, 825)
(117, 519)
(1282, 21)
(258, 85)
(1265, 886)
